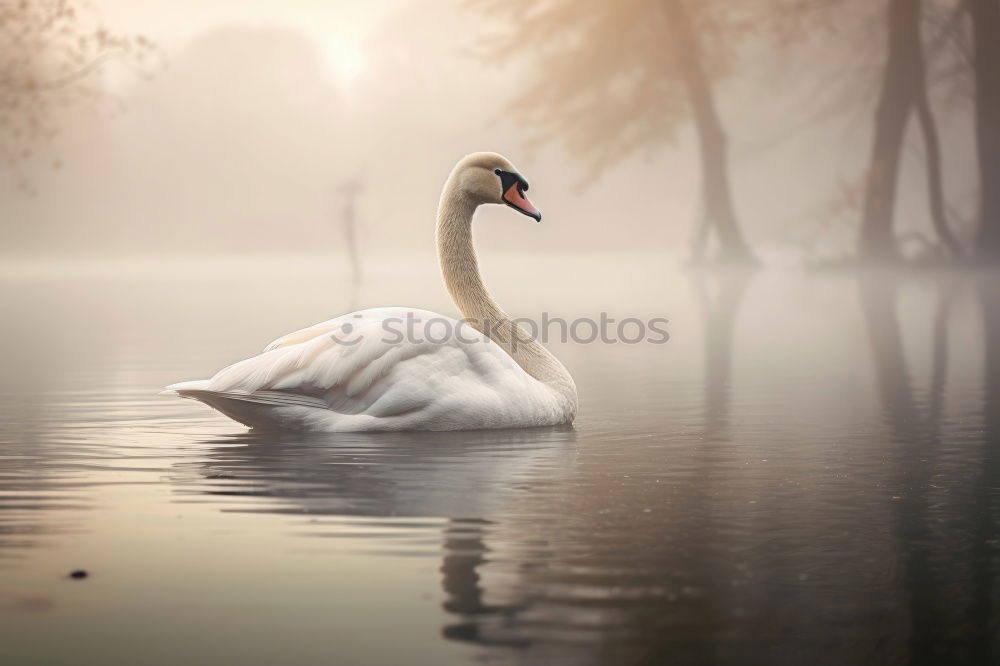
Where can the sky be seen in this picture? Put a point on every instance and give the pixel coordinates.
(338, 27)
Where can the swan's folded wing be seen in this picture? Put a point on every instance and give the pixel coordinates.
(372, 367)
(329, 326)
(304, 334)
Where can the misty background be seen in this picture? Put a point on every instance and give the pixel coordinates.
(807, 471)
(236, 128)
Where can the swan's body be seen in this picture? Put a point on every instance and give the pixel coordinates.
(407, 369)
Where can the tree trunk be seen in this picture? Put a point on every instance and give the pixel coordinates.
(720, 213)
(935, 178)
(902, 71)
(985, 16)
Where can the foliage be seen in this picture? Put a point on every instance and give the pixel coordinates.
(50, 54)
(608, 79)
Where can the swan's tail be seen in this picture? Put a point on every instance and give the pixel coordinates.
(175, 389)
(262, 409)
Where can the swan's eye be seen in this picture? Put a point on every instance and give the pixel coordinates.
(509, 179)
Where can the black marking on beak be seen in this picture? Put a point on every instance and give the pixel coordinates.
(511, 182)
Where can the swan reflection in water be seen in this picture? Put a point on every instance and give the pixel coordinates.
(442, 475)
(465, 478)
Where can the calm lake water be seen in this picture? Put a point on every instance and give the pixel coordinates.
(806, 473)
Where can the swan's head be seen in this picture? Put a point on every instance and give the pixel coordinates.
(489, 178)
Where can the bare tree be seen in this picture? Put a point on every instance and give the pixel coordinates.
(616, 78)
(50, 51)
(904, 92)
(720, 213)
(985, 15)
(935, 174)
(937, 204)
(903, 70)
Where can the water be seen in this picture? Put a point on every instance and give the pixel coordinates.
(806, 473)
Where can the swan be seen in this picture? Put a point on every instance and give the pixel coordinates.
(399, 368)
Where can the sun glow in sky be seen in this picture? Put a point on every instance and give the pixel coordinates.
(344, 56)
(339, 28)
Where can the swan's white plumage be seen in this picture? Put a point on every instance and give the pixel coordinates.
(363, 377)
(408, 369)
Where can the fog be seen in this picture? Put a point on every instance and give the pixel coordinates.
(803, 468)
(238, 135)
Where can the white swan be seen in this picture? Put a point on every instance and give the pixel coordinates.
(407, 369)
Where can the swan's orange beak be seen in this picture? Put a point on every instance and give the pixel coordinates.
(514, 197)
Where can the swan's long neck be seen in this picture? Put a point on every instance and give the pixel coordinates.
(460, 269)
